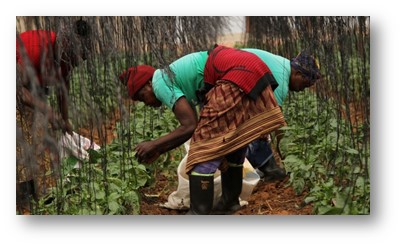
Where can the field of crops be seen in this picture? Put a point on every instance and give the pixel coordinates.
(326, 147)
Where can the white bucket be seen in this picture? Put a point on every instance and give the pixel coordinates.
(249, 181)
(179, 199)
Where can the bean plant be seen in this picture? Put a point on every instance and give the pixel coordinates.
(323, 160)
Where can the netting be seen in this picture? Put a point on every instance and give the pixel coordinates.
(96, 101)
(328, 138)
(327, 144)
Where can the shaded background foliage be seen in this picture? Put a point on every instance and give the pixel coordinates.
(327, 144)
(342, 46)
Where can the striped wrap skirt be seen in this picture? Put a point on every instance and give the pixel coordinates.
(230, 120)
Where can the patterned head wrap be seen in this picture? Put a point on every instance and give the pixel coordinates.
(307, 65)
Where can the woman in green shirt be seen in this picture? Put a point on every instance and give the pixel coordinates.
(239, 107)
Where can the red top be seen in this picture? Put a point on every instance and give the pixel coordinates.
(243, 68)
(39, 45)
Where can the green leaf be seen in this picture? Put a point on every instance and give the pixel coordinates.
(328, 210)
(141, 177)
(360, 182)
(94, 156)
(285, 128)
(98, 210)
(339, 200)
(352, 151)
(298, 185)
(357, 169)
(116, 181)
(68, 164)
(310, 199)
(291, 159)
(113, 206)
(333, 123)
(131, 197)
(70, 161)
(328, 184)
(114, 196)
(114, 188)
(332, 136)
(100, 195)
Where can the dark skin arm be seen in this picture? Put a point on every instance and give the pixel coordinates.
(36, 103)
(279, 134)
(149, 151)
(61, 67)
(41, 106)
(62, 97)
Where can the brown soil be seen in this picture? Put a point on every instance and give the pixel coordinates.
(267, 198)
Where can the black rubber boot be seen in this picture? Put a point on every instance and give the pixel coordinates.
(272, 172)
(25, 193)
(201, 192)
(231, 186)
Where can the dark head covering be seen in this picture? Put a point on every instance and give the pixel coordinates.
(136, 78)
(82, 28)
(307, 65)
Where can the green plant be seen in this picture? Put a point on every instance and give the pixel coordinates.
(323, 159)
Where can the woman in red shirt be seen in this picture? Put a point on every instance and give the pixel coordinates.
(44, 58)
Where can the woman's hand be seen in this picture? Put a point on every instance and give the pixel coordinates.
(147, 152)
(58, 123)
(53, 119)
(67, 127)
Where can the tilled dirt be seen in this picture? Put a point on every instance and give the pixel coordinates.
(272, 198)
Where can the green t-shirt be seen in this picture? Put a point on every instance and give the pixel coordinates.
(188, 71)
(281, 70)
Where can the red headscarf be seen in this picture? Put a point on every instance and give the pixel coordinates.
(137, 77)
